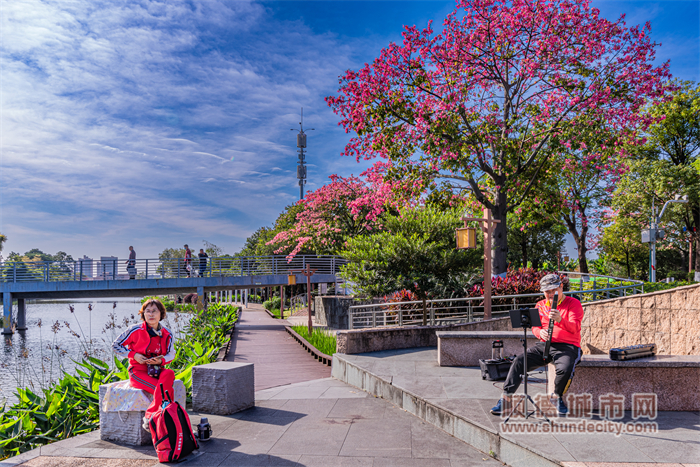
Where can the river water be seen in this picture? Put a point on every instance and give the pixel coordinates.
(56, 336)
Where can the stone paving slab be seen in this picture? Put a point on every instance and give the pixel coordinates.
(347, 430)
(457, 401)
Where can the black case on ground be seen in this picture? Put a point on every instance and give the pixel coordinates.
(495, 370)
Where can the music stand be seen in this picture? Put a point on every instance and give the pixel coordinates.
(525, 318)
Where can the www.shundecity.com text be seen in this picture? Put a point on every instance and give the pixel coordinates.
(581, 426)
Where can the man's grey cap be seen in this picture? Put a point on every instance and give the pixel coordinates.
(550, 282)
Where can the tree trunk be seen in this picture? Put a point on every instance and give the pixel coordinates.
(696, 252)
(581, 246)
(580, 240)
(499, 259)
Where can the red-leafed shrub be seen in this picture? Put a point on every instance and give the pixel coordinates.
(403, 295)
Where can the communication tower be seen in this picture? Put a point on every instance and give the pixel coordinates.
(301, 144)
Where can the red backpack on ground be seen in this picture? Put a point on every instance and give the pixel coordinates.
(171, 431)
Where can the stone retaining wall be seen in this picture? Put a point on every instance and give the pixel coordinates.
(670, 318)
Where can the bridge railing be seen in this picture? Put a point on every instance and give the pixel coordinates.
(171, 268)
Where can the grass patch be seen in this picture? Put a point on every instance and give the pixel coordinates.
(324, 341)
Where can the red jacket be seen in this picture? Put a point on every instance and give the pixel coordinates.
(137, 339)
(566, 331)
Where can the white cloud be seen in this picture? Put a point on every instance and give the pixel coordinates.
(139, 118)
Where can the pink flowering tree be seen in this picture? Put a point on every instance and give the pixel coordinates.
(346, 207)
(482, 102)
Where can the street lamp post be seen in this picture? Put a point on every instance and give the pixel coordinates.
(465, 239)
(653, 233)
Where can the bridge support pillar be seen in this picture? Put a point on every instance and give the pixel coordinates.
(7, 313)
(200, 297)
(21, 315)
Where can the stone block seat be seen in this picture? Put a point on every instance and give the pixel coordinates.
(122, 409)
(465, 348)
(675, 379)
(223, 388)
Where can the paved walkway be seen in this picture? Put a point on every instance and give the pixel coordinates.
(458, 400)
(321, 423)
(278, 358)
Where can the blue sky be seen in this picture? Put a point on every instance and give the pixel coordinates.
(162, 123)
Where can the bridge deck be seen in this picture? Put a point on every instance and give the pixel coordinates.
(278, 358)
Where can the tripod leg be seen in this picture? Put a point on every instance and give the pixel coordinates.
(514, 408)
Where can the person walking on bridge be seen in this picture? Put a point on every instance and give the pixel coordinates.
(202, 262)
(131, 263)
(188, 260)
(149, 346)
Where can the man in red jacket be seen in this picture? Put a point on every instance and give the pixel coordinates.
(565, 350)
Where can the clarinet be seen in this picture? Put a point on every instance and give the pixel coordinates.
(550, 329)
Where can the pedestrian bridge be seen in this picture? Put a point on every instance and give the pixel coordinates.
(113, 277)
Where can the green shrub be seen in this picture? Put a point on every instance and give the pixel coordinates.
(656, 286)
(272, 303)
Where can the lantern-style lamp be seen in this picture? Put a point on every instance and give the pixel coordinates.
(466, 238)
(291, 279)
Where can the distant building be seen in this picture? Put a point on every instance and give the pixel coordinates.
(108, 267)
(85, 266)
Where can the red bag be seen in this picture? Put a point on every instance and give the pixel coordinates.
(171, 431)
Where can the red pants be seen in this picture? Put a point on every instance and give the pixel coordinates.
(140, 380)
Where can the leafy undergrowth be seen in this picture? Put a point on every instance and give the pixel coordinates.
(324, 341)
(71, 406)
(656, 286)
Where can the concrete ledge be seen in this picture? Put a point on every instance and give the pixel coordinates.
(465, 348)
(675, 379)
(405, 337)
(486, 440)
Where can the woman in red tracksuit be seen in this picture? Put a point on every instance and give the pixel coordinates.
(149, 346)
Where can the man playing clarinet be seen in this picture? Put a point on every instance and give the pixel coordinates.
(565, 350)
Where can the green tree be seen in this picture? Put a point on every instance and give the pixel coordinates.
(415, 250)
(666, 166)
(622, 243)
(534, 242)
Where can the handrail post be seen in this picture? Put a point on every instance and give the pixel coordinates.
(400, 317)
(350, 313)
(81, 270)
(178, 268)
(146, 269)
(374, 317)
(14, 272)
(432, 314)
(114, 270)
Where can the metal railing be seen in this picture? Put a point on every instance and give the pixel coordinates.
(469, 309)
(124, 269)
